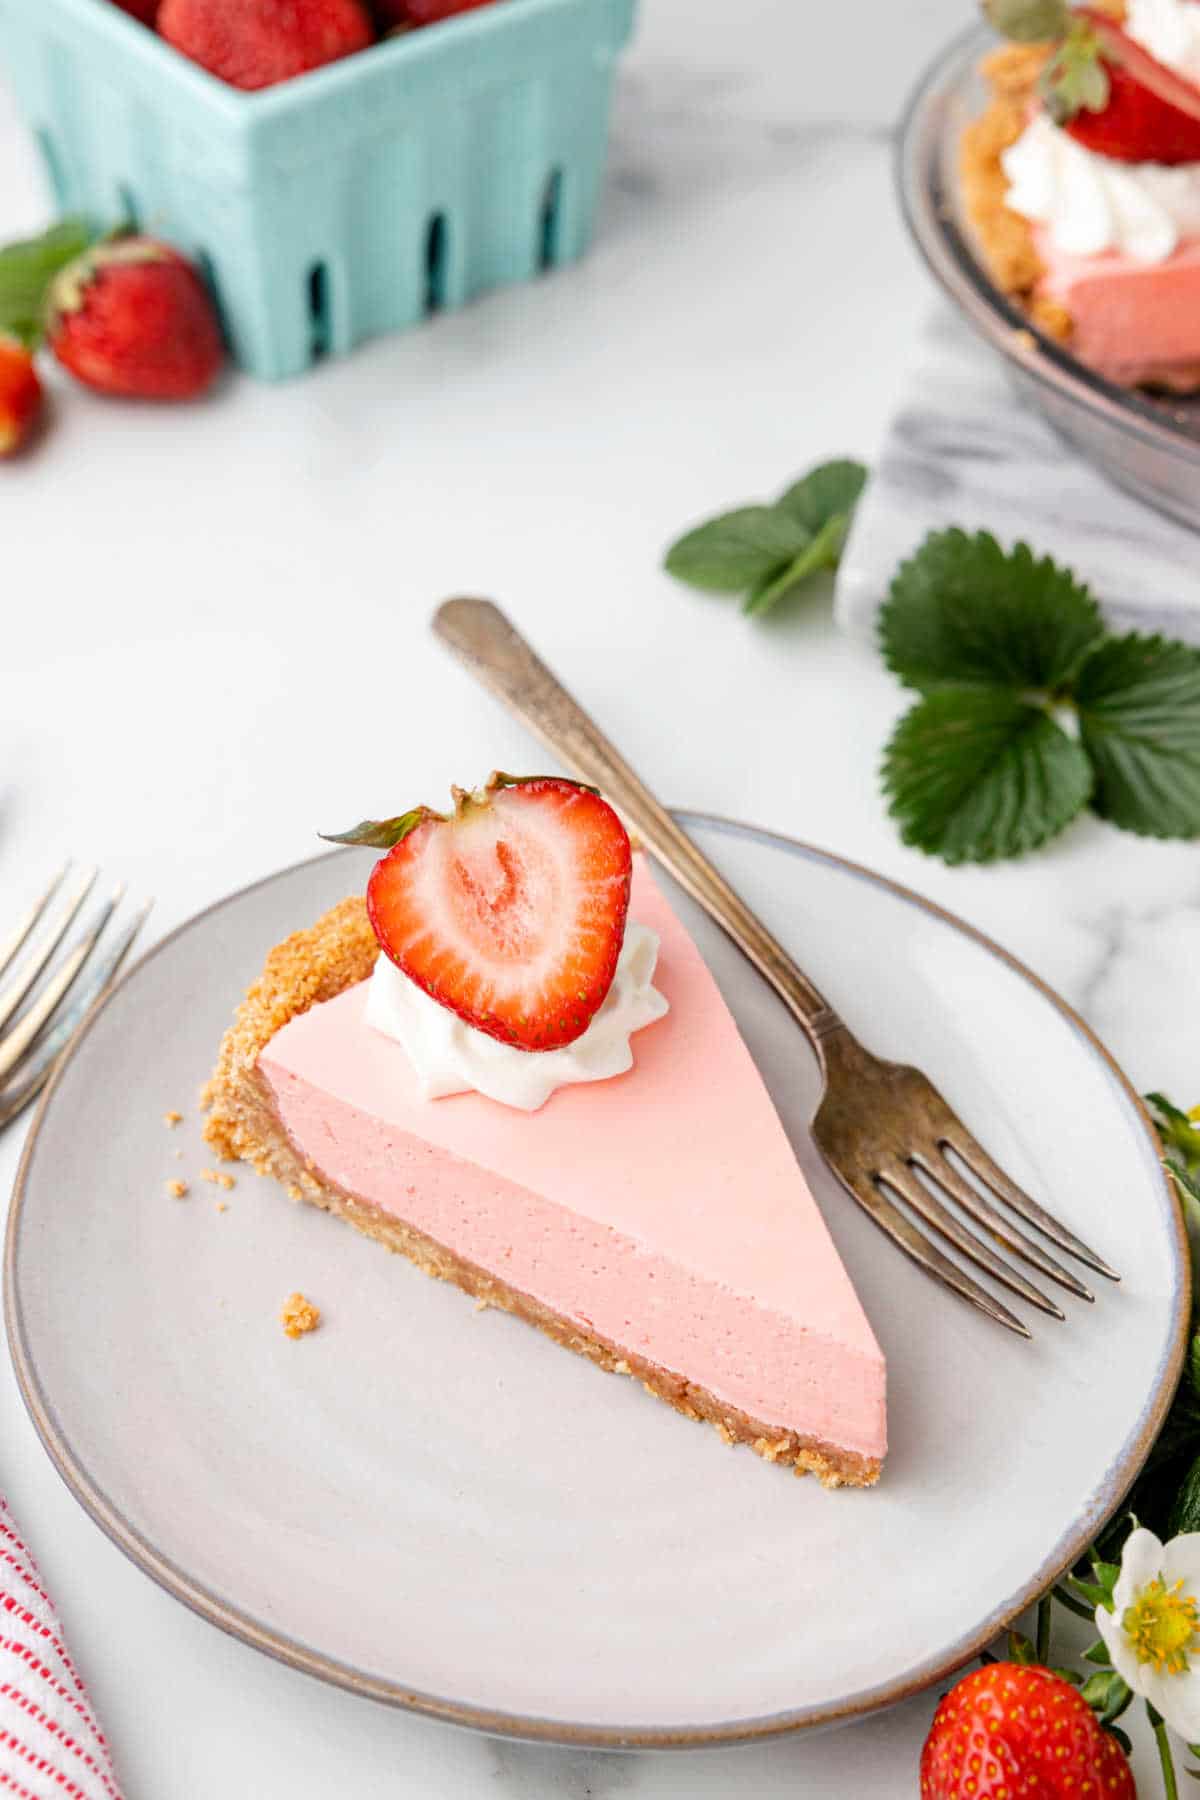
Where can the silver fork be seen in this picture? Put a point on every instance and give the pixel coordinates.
(37, 1022)
(883, 1128)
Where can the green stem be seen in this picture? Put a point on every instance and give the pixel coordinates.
(1170, 1786)
(1043, 1630)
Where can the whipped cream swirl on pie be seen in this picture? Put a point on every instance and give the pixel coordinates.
(1091, 203)
(452, 1057)
(1169, 30)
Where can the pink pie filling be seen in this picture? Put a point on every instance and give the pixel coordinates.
(663, 1211)
(1133, 321)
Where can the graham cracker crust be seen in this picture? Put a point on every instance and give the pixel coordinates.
(1004, 239)
(242, 1125)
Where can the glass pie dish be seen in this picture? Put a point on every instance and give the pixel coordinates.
(1148, 443)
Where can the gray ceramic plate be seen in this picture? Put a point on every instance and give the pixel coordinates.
(442, 1510)
(1149, 444)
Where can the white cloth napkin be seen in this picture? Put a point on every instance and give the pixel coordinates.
(965, 449)
(51, 1747)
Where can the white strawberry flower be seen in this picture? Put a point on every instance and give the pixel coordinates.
(1152, 1633)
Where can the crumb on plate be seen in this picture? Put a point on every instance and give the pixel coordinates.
(299, 1316)
(172, 1118)
(177, 1189)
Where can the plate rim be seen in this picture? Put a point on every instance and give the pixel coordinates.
(531, 1728)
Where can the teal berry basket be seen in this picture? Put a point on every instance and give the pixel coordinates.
(355, 200)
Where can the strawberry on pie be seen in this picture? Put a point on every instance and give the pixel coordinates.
(450, 1066)
(1081, 180)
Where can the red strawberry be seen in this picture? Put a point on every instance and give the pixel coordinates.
(20, 395)
(255, 43)
(423, 12)
(1152, 115)
(132, 317)
(1011, 1729)
(145, 10)
(511, 910)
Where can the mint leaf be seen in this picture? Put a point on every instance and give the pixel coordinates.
(1139, 721)
(26, 271)
(975, 773)
(964, 610)
(737, 550)
(832, 488)
(824, 552)
(765, 551)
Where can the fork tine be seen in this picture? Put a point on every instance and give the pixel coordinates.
(976, 1157)
(27, 973)
(17, 1042)
(21, 930)
(904, 1181)
(941, 1170)
(37, 1068)
(905, 1235)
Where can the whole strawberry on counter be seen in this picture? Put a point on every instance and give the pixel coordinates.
(20, 395)
(256, 43)
(133, 318)
(127, 316)
(1014, 1729)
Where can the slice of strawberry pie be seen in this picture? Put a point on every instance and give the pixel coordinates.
(472, 1098)
(1081, 180)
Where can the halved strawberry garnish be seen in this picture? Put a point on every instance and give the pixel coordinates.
(1151, 114)
(511, 910)
(1102, 86)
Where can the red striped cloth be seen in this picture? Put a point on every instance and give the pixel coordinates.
(51, 1747)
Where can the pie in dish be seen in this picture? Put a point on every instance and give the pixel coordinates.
(650, 1213)
(1080, 181)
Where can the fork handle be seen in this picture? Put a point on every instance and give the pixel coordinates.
(496, 653)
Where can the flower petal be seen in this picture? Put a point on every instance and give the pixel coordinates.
(1121, 1651)
(1181, 1562)
(1177, 1698)
(1141, 1562)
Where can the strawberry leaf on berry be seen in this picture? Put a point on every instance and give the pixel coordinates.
(1076, 79)
(380, 834)
(511, 910)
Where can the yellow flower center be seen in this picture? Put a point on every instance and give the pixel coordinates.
(1162, 1625)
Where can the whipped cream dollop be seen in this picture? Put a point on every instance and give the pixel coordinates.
(1169, 30)
(451, 1057)
(1091, 203)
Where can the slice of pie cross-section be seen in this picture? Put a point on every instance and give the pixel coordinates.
(657, 1222)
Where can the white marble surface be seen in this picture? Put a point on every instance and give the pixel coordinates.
(965, 448)
(213, 628)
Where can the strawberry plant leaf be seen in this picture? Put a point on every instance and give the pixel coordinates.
(1185, 1514)
(975, 773)
(737, 550)
(830, 490)
(26, 271)
(1176, 1128)
(964, 610)
(824, 552)
(1139, 721)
